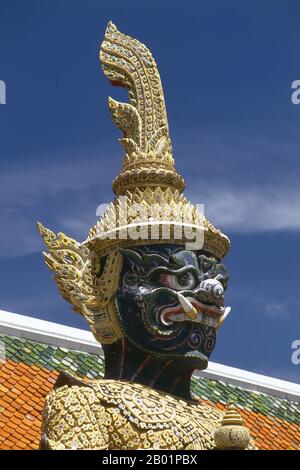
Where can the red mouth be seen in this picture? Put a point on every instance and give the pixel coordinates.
(211, 310)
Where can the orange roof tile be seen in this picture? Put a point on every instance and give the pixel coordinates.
(23, 388)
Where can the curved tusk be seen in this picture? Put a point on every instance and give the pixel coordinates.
(187, 307)
(224, 316)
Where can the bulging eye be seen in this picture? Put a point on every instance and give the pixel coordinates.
(180, 281)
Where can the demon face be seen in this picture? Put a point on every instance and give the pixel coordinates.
(171, 301)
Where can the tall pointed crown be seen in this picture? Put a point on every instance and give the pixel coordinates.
(148, 151)
(148, 178)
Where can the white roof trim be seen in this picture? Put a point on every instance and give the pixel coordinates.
(251, 381)
(43, 331)
(63, 336)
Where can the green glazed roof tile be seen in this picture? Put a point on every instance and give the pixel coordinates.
(90, 365)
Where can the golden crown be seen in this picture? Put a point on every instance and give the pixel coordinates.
(149, 206)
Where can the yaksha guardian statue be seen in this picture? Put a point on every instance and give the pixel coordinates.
(150, 283)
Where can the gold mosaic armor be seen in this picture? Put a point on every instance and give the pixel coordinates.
(119, 415)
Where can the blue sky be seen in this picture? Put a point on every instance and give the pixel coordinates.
(227, 68)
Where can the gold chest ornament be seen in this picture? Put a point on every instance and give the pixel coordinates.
(119, 415)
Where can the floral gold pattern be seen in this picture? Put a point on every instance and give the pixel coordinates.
(116, 415)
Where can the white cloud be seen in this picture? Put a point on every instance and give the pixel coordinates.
(233, 210)
(277, 310)
(64, 194)
(249, 182)
(256, 209)
(60, 196)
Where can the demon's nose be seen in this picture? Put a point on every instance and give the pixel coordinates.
(214, 288)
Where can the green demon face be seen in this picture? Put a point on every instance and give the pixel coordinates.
(171, 301)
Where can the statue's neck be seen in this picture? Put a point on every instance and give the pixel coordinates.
(124, 361)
